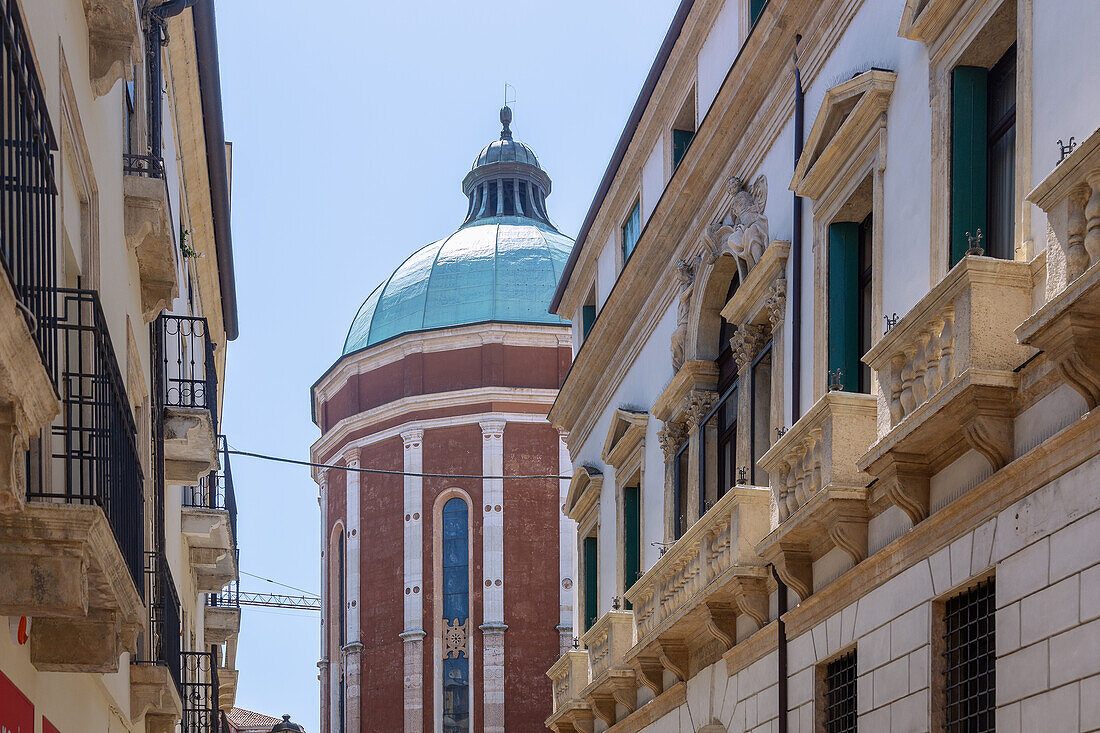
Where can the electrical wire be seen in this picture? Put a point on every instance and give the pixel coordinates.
(386, 472)
(269, 580)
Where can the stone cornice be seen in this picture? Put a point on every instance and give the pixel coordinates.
(627, 431)
(734, 143)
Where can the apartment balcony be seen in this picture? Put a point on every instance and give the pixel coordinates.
(155, 695)
(201, 691)
(227, 687)
(820, 495)
(613, 684)
(569, 676)
(28, 261)
(150, 231)
(209, 526)
(72, 557)
(223, 615)
(114, 42)
(692, 595)
(1067, 327)
(946, 379)
(188, 388)
(155, 673)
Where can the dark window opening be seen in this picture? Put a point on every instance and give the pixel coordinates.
(632, 535)
(591, 581)
(761, 413)
(756, 7)
(970, 656)
(840, 694)
(492, 209)
(509, 197)
(727, 443)
(727, 366)
(866, 239)
(631, 230)
(524, 207)
(680, 508)
(1001, 144)
(681, 140)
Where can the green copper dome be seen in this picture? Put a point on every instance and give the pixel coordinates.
(502, 265)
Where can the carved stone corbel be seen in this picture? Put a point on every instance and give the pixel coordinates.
(904, 480)
(775, 304)
(751, 595)
(721, 623)
(795, 568)
(650, 672)
(674, 657)
(624, 692)
(992, 436)
(846, 520)
(603, 705)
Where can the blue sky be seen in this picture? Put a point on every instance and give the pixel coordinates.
(353, 124)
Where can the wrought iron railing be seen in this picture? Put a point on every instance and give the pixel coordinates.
(229, 596)
(92, 452)
(148, 166)
(201, 712)
(186, 356)
(163, 644)
(28, 190)
(215, 489)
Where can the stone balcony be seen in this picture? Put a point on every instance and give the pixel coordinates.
(190, 445)
(227, 687)
(61, 565)
(211, 545)
(946, 379)
(613, 684)
(692, 595)
(154, 695)
(222, 623)
(149, 232)
(1067, 327)
(569, 676)
(820, 495)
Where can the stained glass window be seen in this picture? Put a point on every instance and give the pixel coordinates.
(456, 617)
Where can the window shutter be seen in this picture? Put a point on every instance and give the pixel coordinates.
(969, 156)
(843, 318)
(588, 317)
(681, 139)
(755, 8)
(632, 530)
(591, 584)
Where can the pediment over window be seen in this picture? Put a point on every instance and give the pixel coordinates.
(626, 433)
(849, 113)
(925, 20)
(584, 492)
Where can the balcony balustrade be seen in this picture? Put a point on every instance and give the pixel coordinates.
(73, 557)
(209, 526)
(187, 388)
(201, 708)
(613, 684)
(569, 676)
(1067, 327)
(28, 257)
(692, 595)
(155, 674)
(149, 231)
(223, 613)
(820, 495)
(946, 378)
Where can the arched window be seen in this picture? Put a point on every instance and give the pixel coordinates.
(456, 617)
(726, 415)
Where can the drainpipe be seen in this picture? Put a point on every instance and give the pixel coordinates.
(781, 648)
(796, 246)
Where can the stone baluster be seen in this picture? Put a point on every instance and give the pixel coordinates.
(920, 366)
(815, 477)
(908, 398)
(893, 383)
(934, 350)
(1092, 213)
(947, 348)
(1077, 257)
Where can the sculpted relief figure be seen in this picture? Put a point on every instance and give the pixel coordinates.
(745, 232)
(685, 273)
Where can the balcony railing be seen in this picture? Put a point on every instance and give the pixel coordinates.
(201, 713)
(28, 190)
(147, 166)
(163, 645)
(215, 489)
(94, 458)
(229, 596)
(189, 377)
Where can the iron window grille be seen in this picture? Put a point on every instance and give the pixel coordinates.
(165, 626)
(201, 711)
(28, 189)
(969, 677)
(91, 455)
(840, 694)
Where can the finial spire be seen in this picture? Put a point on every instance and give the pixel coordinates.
(505, 121)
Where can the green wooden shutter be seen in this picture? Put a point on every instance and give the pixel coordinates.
(588, 317)
(844, 302)
(681, 139)
(591, 584)
(632, 529)
(969, 155)
(755, 8)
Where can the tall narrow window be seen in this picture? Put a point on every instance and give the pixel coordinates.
(631, 229)
(683, 129)
(865, 264)
(844, 300)
(491, 208)
(591, 581)
(680, 498)
(1001, 144)
(681, 139)
(756, 7)
(342, 637)
(727, 443)
(632, 535)
(456, 617)
(128, 118)
(761, 412)
(970, 656)
(588, 314)
(509, 197)
(840, 694)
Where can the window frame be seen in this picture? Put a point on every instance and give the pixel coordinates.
(633, 217)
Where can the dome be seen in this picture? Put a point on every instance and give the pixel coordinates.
(504, 270)
(503, 263)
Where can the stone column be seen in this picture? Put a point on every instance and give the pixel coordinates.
(413, 634)
(492, 534)
(353, 650)
(323, 663)
(567, 542)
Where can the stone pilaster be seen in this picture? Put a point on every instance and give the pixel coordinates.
(567, 542)
(353, 650)
(323, 664)
(413, 635)
(492, 532)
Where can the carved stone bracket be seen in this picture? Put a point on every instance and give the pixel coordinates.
(776, 303)
(747, 342)
(673, 654)
(699, 403)
(903, 480)
(113, 36)
(721, 623)
(795, 567)
(650, 673)
(603, 705)
(672, 437)
(751, 595)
